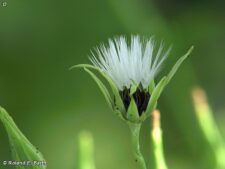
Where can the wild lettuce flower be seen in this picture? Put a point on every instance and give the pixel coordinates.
(130, 69)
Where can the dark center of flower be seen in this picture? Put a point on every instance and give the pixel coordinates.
(141, 99)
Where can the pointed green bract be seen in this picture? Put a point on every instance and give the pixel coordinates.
(118, 100)
(82, 66)
(133, 89)
(22, 149)
(121, 116)
(177, 65)
(154, 97)
(156, 91)
(101, 87)
(132, 112)
(151, 86)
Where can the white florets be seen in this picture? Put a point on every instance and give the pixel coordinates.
(132, 63)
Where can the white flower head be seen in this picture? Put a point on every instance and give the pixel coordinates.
(129, 68)
(134, 63)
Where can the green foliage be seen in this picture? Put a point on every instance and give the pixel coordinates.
(40, 39)
(22, 149)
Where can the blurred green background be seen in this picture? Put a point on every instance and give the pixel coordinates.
(40, 40)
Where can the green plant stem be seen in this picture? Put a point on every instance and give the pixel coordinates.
(158, 149)
(86, 151)
(135, 131)
(156, 136)
(212, 134)
(209, 126)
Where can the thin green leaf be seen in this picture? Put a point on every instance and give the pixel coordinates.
(22, 149)
(115, 90)
(101, 87)
(177, 65)
(154, 97)
(132, 112)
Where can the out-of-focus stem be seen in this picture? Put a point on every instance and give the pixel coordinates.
(135, 131)
(156, 135)
(86, 151)
(208, 126)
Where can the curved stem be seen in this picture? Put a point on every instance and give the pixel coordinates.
(135, 131)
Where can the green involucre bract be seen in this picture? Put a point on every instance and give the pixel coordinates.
(130, 70)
